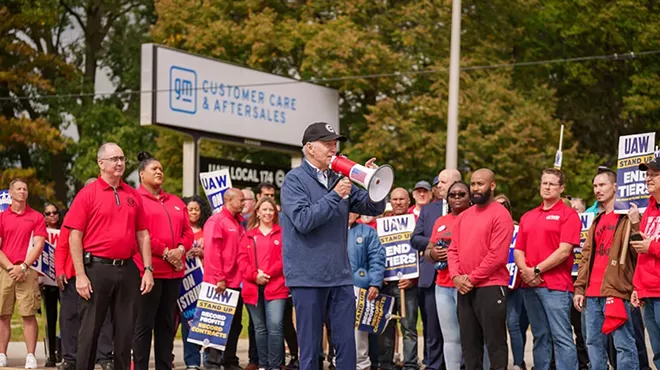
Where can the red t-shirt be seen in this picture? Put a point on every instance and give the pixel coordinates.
(16, 230)
(442, 230)
(604, 235)
(481, 239)
(198, 237)
(539, 235)
(108, 228)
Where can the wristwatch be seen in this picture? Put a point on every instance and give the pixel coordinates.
(537, 271)
(182, 248)
(24, 266)
(148, 268)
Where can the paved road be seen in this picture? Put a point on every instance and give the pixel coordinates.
(16, 354)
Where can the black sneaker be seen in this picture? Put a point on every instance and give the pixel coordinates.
(66, 365)
(51, 362)
(293, 364)
(107, 365)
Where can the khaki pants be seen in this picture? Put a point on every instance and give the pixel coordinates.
(25, 293)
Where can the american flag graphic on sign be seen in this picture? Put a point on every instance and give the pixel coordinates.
(358, 175)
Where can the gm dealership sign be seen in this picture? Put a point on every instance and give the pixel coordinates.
(182, 90)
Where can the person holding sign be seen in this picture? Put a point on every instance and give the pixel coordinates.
(405, 292)
(222, 234)
(264, 292)
(171, 238)
(20, 226)
(316, 265)
(50, 293)
(198, 212)
(477, 257)
(544, 256)
(599, 281)
(367, 259)
(646, 280)
(458, 198)
(108, 226)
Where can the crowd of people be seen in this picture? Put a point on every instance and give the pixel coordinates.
(121, 256)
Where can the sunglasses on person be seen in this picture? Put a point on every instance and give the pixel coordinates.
(50, 213)
(460, 194)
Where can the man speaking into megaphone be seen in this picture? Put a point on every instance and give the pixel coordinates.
(315, 257)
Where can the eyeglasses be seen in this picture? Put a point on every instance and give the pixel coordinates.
(115, 159)
(549, 184)
(461, 194)
(50, 213)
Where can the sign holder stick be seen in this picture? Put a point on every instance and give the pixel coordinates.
(559, 155)
(626, 238)
(402, 303)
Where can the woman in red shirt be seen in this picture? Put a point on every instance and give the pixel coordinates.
(171, 237)
(264, 292)
(458, 197)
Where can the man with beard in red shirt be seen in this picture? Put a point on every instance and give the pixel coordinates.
(478, 256)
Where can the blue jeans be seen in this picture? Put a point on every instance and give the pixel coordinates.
(408, 328)
(445, 303)
(517, 323)
(651, 311)
(624, 338)
(549, 313)
(190, 350)
(268, 319)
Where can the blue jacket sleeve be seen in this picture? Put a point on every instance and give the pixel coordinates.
(305, 215)
(360, 203)
(376, 260)
(418, 240)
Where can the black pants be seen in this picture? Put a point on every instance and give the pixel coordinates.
(482, 319)
(580, 346)
(215, 358)
(51, 295)
(158, 306)
(290, 336)
(70, 325)
(116, 291)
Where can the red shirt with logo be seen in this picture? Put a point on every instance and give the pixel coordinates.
(481, 239)
(442, 230)
(16, 229)
(647, 279)
(222, 233)
(539, 235)
(108, 218)
(169, 227)
(262, 252)
(604, 236)
(63, 261)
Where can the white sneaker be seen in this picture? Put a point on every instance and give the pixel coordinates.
(516, 367)
(30, 361)
(3, 360)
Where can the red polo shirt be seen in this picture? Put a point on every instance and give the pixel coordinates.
(108, 219)
(539, 235)
(16, 230)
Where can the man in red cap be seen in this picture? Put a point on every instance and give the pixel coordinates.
(647, 280)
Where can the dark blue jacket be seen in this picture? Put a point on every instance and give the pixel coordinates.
(366, 255)
(420, 239)
(315, 229)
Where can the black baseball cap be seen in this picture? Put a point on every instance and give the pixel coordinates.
(654, 164)
(423, 185)
(321, 131)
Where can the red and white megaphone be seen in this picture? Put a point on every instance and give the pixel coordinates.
(378, 182)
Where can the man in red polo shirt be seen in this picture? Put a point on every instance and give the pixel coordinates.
(18, 282)
(544, 255)
(477, 256)
(222, 234)
(69, 301)
(107, 225)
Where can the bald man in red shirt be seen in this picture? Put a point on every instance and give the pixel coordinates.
(478, 255)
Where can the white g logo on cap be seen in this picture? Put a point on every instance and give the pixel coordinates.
(330, 128)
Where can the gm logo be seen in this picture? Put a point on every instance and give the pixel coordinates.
(183, 90)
